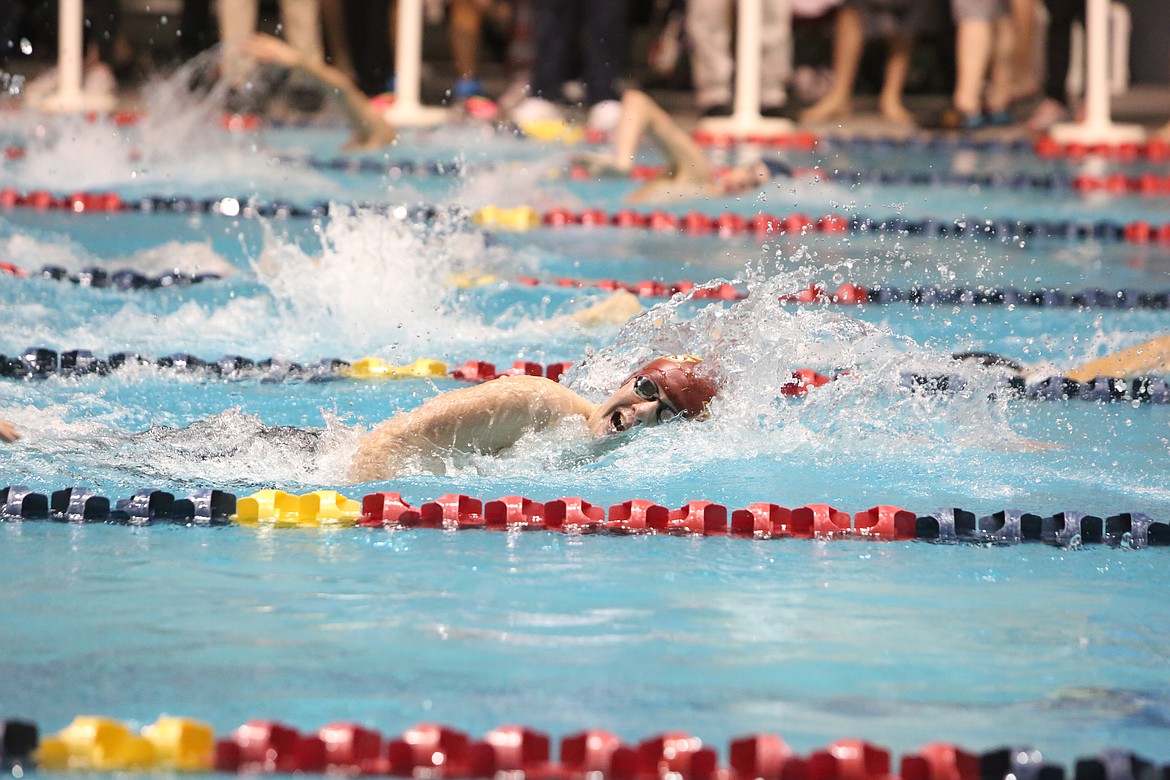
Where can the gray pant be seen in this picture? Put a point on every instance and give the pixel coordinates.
(712, 61)
(300, 22)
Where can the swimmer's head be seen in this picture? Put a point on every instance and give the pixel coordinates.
(750, 176)
(661, 390)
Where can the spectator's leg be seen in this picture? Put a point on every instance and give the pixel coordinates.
(709, 32)
(237, 21)
(1027, 81)
(336, 33)
(1002, 73)
(775, 53)
(607, 36)
(973, 38)
(102, 20)
(463, 33)
(301, 20)
(368, 23)
(897, 66)
(555, 27)
(195, 25)
(848, 42)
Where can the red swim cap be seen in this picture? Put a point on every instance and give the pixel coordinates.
(677, 381)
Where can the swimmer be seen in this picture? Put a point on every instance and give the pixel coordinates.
(688, 173)
(8, 431)
(1150, 358)
(370, 128)
(493, 416)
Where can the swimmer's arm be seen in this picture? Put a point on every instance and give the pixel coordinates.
(1148, 358)
(614, 310)
(485, 418)
(370, 128)
(8, 431)
(641, 115)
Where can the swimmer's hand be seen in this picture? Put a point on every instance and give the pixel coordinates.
(272, 51)
(601, 164)
(8, 431)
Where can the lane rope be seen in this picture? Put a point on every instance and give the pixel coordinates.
(524, 218)
(102, 744)
(847, 293)
(573, 515)
(38, 363)
(118, 279)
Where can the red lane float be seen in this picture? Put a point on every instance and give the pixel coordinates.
(638, 516)
(439, 752)
(850, 759)
(513, 512)
(429, 750)
(941, 761)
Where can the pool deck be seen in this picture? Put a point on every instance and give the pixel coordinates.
(1145, 104)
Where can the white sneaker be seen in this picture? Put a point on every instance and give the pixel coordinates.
(604, 116)
(534, 109)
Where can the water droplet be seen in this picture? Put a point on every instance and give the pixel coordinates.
(25, 46)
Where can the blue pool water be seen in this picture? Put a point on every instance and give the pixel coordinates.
(898, 643)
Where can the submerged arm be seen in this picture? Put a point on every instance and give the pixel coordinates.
(370, 129)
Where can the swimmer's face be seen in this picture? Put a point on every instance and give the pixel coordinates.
(743, 178)
(637, 402)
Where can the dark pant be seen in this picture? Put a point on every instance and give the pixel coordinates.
(198, 29)
(103, 19)
(367, 24)
(1062, 14)
(558, 27)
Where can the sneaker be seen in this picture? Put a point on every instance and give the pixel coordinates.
(782, 111)
(534, 109)
(604, 116)
(717, 110)
(468, 88)
(951, 118)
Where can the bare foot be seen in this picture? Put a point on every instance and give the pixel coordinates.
(829, 107)
(1047, 113)
(894, 112)
(8, 431)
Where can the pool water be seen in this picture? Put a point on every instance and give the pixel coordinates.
(899, 643)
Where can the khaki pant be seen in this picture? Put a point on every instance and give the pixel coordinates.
(712, 60)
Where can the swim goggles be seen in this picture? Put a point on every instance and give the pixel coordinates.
(647, 389)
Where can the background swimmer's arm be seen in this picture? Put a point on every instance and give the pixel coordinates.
(642, 116)
(614, 310)
(485, 418)
(8, 431)
(1148, 358)
(370, 128)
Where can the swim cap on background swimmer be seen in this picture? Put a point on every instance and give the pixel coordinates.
(677, 380)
